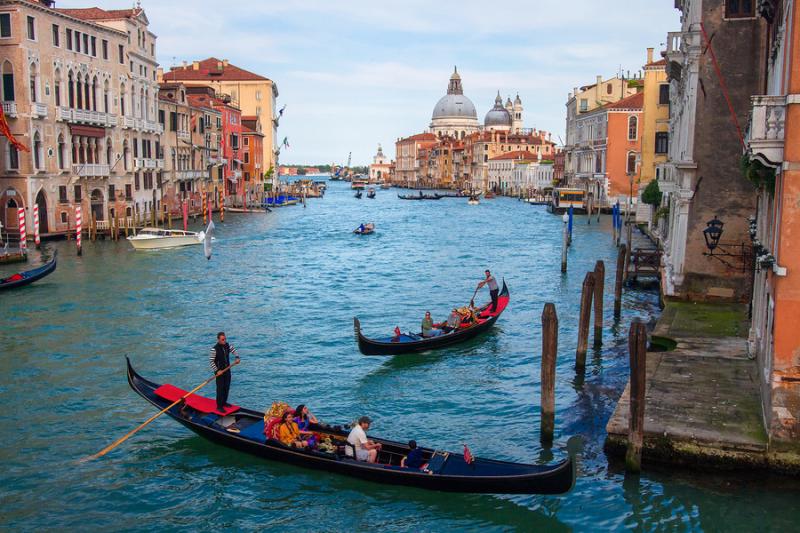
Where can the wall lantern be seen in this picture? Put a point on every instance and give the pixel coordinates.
(712, 233)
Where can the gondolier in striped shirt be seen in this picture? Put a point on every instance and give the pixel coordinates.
(494, 290)
(220, 359)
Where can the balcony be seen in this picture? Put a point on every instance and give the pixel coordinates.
(184, 135)
(128, 123)
(90, 170)
(674, 43)
(190, 174)
(10, 109)
(765, 135)
(86, 116)
(146, 163)
(38, 110)
(149, 126)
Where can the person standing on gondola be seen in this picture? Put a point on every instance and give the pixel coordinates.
(220, 359)
(494, 290)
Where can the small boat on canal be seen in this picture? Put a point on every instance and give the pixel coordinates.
(412, 342)
(419, 196)
(244, 430)
(160, 238)
(371, 193)
(368, 229)
(358, 194)
(473, 200)
(27, 277)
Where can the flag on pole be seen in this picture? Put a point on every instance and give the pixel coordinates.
(23, 236)
(5, 131)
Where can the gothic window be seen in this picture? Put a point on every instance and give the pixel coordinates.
(37, 151)
(631, 166)
(8, 82)
(61, 152)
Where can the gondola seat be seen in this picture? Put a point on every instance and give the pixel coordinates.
(254, 431)
(270, 431)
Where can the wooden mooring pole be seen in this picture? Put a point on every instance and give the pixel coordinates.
(599, 287)
(637, 346)
(621, 254)
(583, 322)
(548, 375)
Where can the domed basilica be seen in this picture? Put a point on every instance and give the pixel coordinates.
(455, 115)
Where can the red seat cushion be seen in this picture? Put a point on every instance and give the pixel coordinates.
(201, 403)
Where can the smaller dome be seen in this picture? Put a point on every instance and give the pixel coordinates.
(498, 116)
(517, 100)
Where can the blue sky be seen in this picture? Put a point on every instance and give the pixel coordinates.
(356, 73)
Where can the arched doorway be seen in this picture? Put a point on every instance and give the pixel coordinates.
(12, 216)
(41, 202)
(97, 204)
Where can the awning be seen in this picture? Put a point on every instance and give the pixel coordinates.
(238, 161)
(87, 131)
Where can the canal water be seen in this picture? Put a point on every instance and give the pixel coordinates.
(285, 287)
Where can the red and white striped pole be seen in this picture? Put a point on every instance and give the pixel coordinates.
(23, 236)
(36, 238)
(78, 228)
(208, 203)
(185, 215)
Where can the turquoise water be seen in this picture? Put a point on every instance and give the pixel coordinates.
(285, 287)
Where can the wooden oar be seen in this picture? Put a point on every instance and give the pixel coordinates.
(472, 300)
(116, 443)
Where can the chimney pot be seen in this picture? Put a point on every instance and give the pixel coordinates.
(224, 62)
(195, 65)
(649, 55)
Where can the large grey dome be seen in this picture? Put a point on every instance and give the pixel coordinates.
(454, 105)
(498, 115)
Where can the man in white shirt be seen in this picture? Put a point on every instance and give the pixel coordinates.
(366, 450)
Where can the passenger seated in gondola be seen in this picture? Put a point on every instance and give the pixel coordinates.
(453, 321)
(365, 449)
(427, 327)
(361, 228)
(414, 458)
(289, 433)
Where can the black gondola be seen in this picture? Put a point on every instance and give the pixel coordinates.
(29, 276)
(243, 430)
(411, 342)
(420, 196)
(371, 193)
(358, 194)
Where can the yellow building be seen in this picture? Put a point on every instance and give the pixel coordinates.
(655, 118)
(252, 93)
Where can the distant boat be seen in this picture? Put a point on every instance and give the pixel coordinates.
(159, 238)
(29, 276)
(419, 196)
(368, 229)
(371, 193)
(358, 194)
(473, 200)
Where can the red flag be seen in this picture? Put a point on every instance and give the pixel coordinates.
(5, 131)
(468, 455)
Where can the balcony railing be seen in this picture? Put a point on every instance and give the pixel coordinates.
(184, 135)
(149, 126)
(90, 170)
(128, 122)
(86, 116)
(38, 110)
(148, 163)
(190, 174)
(10, 109)
(765, 136)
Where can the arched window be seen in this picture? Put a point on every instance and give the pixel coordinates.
(61, 153)
(122, 99)
(57, 87)
(94, 93)
(70, 90)
(109, 153)
(8, 82)
(78, 93)
(631, 166)
(12, 157)
(34, 83)
(633, 128)
(106, 96)
(609, 89)
(86, 89)
(125, 154)
(37, 151)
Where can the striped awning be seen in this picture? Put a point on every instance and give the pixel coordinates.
(87, 131)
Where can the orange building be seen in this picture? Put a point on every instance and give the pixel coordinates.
(252, 160)
(624, 145)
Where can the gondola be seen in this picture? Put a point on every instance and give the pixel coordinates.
(411, 342)
(243, 430)
(371, 193)
(29, 276)
(419, 197)
(368, 229)
(358, 194)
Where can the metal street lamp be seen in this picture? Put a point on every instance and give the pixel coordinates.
(712, 233)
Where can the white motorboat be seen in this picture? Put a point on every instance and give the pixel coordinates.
(158, 238)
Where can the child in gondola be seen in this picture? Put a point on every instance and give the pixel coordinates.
(414, 458)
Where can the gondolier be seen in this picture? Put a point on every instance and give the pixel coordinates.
(494, 290)
(220, 359)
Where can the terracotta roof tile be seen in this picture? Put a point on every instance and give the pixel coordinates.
(522, 155)
(95, 13)
(212, 69)
(635, 101)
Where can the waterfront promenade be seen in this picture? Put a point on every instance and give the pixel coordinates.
(285, 287)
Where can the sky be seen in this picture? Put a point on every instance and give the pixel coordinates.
(355, 73)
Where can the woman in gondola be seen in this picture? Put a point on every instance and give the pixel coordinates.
(289, 433)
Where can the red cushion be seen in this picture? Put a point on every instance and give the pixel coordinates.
(272, 425)
(201, 403)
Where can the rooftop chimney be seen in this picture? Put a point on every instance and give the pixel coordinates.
(195, 65)
(224, 62)
(184, 64)
(649, 55)
(599, 80)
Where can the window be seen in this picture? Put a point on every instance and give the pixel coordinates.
(112, 193)
(5, 24)
(136, 180)
(258, 95)
(609, 89)
(77, 41)
(631, 166)
(633, 128)
(13, 157)
(736, 9)
(104, 48)
(662, 142)
(161, 116)
(78, 195)
(584, 104)
(128, 192)
(85, 44)
(61, 152)
(246, 158)
(55, 35)
(94, 46)
(31, 28)
(246, 141)
(8, 82)
(121, 51)
(663, 94)
(62, 194)
(69, 39)
(173, 121)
